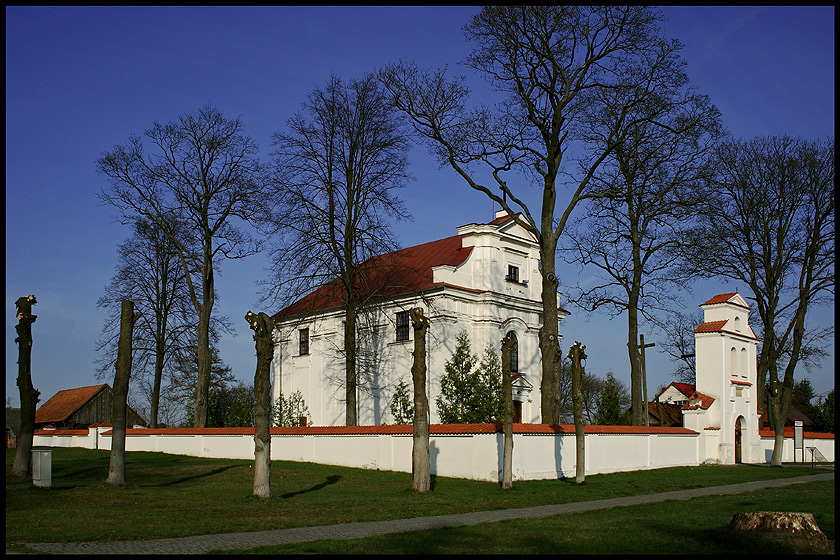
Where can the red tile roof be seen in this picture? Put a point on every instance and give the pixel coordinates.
(686, 389)
(717, 326)
(705, 401)
(63, 404)
(711, 326)
(724, 298)
(671, 413)
(406, 429)
(401, 272)
(766, 433)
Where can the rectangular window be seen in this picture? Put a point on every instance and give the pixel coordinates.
(402, 325)
(304, 341)
(513, 273)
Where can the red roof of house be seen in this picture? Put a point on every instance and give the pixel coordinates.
(720, 298)
(711, 326)
(400, 272)
(705, 401)
(724, 298)
(686, 389)
(671, 413)
(63, 404)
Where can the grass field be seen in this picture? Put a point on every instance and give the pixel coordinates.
(696, 526)
(173, 495)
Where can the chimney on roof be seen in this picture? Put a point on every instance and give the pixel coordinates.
(501, 213)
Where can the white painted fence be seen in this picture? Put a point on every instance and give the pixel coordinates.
(472, 451)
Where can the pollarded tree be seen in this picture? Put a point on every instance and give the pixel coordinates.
(202, 174)
(29, 396)
(770, 225)
(338, 167)
(556, 66)
(421, 467)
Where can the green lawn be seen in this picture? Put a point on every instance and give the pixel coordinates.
(173, 495)
(696, 526)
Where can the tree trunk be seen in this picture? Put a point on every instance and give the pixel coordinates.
(116, 469)
(507, 392)
(263, 327)
(549, 333)
(636, 400)
(202, 384)
(350, 364)
(29, 396)
(159, 356)
(421, 469)
(576, 355)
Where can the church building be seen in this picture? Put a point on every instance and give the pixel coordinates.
(484, 280)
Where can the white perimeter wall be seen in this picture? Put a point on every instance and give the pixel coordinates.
(471, 456)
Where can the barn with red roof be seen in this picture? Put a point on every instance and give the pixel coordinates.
(484, 280)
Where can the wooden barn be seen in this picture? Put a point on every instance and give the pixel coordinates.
(81, 407)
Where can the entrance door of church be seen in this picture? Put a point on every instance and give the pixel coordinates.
(738, 440)
(517, 412)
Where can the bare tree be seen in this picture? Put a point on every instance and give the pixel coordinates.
(653, 177)
(203, 175)
(184, 373)
(263, 327)
(678, 342)
(576, 356)
(770, 225)
(116, 468)
(337, 169)
(150, 274)
(28, 394)
(421, 468)
(556, 65)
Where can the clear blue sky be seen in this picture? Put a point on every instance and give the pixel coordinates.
(80, 80)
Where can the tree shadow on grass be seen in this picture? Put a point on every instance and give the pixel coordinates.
(332, 479)
(196, 476)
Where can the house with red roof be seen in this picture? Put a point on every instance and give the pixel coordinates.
(485, 280)
(80, 408)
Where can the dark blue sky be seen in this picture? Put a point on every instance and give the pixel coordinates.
(80, 80)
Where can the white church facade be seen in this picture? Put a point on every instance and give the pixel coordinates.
(485, 280)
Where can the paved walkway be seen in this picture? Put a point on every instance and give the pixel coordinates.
(202, 544)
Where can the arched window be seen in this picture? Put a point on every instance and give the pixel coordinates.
(514, 353)
(744, 362)
(733, 361)
(738, 324)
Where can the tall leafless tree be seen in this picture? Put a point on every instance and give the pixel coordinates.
(204, 175)
(555, 65)
(338, 167)
(28, 394)
(654, 176)
(116, 468)
(770, 225)
(150, 274)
